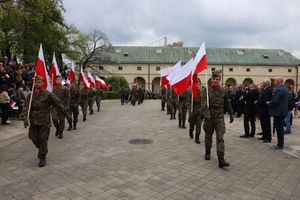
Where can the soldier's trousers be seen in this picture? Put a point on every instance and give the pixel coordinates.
(39, 136)
(218, 125)
(98, 101)
(182, 110)
(74, 112)
(163, 103)
(58, 119)
(168, 108)
(91, 104)
(196, 120)
(173, 108)
(84, 105)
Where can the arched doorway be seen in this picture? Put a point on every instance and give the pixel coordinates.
(289, 82)
(156, 85)
(247, 81)
(140, 81)
(230, 82)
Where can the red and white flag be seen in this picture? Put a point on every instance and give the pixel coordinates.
(165, 72)
(72, 72)
(101, 83)
(200, 64)
(91, 79)
(54, 70)
(180, 80)
(83, 79)
(40, 69)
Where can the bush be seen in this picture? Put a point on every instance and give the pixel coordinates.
(110, 95)
(116, 83)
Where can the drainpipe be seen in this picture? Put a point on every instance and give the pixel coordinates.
(149, 77)
(222, 75)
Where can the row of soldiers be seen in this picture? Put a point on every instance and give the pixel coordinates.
(135, 94)
(209, 111)
(63, 102)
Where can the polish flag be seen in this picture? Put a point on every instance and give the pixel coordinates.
(91, 79)
(54, 71)
(72, 72)
(101, 83)
(180, 80)
(199, 65)
(40, 69)
(165, 72)
(83, 79)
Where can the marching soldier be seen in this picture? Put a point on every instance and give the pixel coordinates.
(168, 101)
(91, 99)
(214, 117)
(84, 101)
(133, 95)
(98, 97)
(173, 103)
(58, 117)
(163, 95)
(39, 117)
(196, 116)
(74, 103)
(184, 99)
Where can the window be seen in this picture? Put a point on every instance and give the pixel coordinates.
(248, 70)
(139, 68)
(289, 70)
(270, 70)
(120, 68)
(101, 68)
(231, 69)
(157, 68)
(213, 69)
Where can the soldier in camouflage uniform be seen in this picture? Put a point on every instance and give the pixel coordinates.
(168, 101)
(133, 95)
(91, 99)
(163, 96)
(58, 117)
(184, 99)
(39, 117)
(214, 117)
(84, 101)
(98, 97)
(173, 103)
(74, 103)
(196, 116)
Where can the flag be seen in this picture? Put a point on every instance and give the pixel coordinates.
(101, 83)
(72, 72)
(165, 72)
(180, 80)
(40, 69)
(199, 65)
(91, 79)
(54, 70)
(83, 79)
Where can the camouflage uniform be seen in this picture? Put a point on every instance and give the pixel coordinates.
(58, 117)
(184, 99)
(74, 103)
(195, 118)
(133, 95)
(91, 99)
(84, 102)
(39, 118)
(163, 95)
(214, 119)
(98, 98)
(168, 101)
(173, 103)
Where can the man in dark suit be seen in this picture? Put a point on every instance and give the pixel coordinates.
(278, 109)
(263, 111)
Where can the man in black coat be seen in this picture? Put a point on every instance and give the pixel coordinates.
(279, 109)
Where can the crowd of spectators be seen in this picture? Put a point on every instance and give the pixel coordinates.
(15, 86)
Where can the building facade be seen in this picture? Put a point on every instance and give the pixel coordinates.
(238, 66)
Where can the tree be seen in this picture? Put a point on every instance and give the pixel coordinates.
(116, 82)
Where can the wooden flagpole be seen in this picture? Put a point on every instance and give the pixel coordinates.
(192, 100)
(207, 98)
(31, 95)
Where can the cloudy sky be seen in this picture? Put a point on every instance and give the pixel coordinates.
(220, 23)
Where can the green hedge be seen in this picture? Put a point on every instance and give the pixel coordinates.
(110, 95)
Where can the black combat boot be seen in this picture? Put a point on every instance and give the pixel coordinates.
(91, 112)
(70, 127)
(98, 109)
(171, 116)
(207, 154)
(74, 126)
(42, 162)
(191, 133)
(197, 140)
(183, 124)
(57, 132)
(60, 135)
(222, 162)
(179, 123)
(174, 116)
(84, 118)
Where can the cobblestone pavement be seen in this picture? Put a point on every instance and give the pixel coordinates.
(97, 162)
